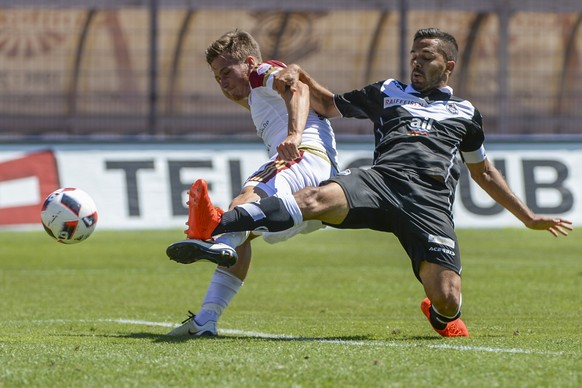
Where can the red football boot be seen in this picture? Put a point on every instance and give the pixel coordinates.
(203, 216)
(454, 328)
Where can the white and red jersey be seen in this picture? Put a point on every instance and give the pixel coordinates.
(318, 160)
(270, 117)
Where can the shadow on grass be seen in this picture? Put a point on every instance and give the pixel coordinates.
(354, 339)
(240, 336)
(165, 338)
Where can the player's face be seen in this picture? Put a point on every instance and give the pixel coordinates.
(429, 68)
(232, 77)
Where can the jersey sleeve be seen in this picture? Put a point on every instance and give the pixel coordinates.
(262, 76)
(360, 104)
(472, 149)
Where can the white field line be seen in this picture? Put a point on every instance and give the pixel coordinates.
(461, 348)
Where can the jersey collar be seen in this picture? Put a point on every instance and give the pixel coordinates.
(445, 89)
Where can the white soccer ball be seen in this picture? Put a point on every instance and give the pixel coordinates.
(69, 215)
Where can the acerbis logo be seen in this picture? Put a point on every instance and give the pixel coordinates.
(443, 250)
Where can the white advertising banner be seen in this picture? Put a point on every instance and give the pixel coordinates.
(144, 186)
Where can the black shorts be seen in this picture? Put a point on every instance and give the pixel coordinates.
(416, 208)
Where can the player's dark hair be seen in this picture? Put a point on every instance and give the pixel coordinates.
(236, 44)
(448, 43)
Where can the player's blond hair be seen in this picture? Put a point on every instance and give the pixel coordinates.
(236, 44)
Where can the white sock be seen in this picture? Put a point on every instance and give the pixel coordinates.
(222, 289)
(233, 239)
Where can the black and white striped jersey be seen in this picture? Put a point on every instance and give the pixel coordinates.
(416, 132)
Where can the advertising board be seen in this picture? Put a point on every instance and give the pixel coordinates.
(144, 186)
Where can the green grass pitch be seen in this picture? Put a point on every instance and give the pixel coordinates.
(329, 309)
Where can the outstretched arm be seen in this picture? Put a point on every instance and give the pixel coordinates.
(491, 180)
(297, 102)
(321, 98)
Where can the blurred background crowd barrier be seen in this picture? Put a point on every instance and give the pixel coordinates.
(136, 68)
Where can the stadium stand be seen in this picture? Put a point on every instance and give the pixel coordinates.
(136, 68)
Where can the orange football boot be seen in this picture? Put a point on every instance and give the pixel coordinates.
(203, 216)
(454, 328)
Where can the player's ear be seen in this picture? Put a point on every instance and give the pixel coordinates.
(450, 65)
(250, 60)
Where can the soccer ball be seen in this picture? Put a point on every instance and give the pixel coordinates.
(69, 215)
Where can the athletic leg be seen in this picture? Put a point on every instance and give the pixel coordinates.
(224, 285)
(442, 287)
(326, 203)
(226, 282)
(442, 306)
(220, 292)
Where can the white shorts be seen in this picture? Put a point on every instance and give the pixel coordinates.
(278, 178)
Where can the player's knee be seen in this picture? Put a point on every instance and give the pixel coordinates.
(326, 203)
(308, 200)
(248, 194)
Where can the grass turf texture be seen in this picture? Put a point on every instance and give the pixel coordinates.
(333, 308)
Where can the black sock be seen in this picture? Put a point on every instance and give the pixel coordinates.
(439, 321)
(268, 214)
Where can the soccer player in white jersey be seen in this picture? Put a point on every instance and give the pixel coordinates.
(419, 129)
(302, 152)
